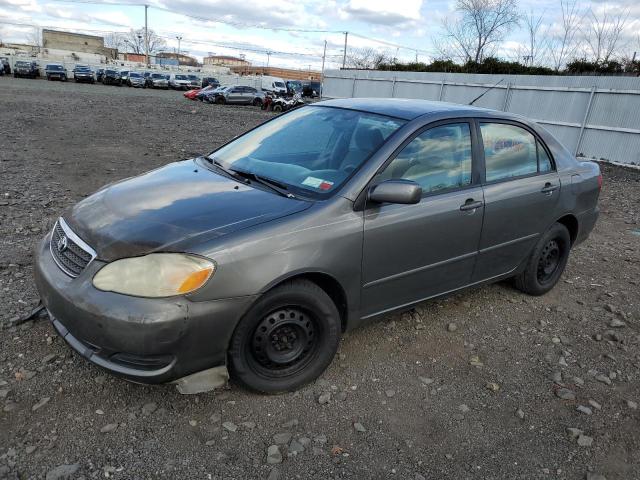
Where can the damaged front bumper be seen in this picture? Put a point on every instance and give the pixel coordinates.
(146, 340)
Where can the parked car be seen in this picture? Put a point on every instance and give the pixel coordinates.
(192, 94)
(206, 81)
(5, 65)
(25, 68)
(293, 87)
(111, 77)
(178, 81)
(136, 79)
(157, 80)
(194, 81)
(124, 76)
(273, 84)
(99, 74)
(311, 89)
(82, 73)
(255, 258)
(237, 94)
(55, 71)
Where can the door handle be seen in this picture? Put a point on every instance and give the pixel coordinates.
(470, 204)
(548, 188)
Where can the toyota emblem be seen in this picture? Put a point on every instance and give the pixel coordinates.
(62, 244)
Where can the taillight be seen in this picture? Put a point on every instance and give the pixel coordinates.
(600, 182)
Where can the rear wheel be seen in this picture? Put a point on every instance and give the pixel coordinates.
(547, 262)
(257, 102)
(276, 108)
(286, 340)
(220, 100)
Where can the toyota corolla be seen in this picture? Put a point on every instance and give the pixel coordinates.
(253, 259)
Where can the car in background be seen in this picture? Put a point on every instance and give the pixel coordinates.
(25, 68)
(237, 95)
(5, 66)
(293, 87)
(157, 80)
(206, 81)
(136, 79)
(111, 77)
(311, 89)
(124, 75)
(273, 84)
(55, 71)
(99, 74)
(82, 73)
(209, 91)
(178, 81)
(195, 81)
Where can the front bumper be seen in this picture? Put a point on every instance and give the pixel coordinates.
(147, 340)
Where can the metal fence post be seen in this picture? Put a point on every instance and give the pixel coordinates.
(353, 88)
(441, 90)
(393, 88)
(505, 104)
(584, 120)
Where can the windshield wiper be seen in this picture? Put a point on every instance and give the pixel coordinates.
(230, 173)
(277, 187)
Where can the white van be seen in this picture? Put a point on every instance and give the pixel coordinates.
(273, 84)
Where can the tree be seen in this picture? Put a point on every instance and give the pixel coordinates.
(602, 33)
(115, 41)
(366, 58)
(34, 38)
(133, 41)
(533, 24)
(563, 45)
(481, 25)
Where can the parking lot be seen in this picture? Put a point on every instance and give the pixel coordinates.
(488, 383)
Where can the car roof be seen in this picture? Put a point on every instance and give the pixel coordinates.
(405, 108)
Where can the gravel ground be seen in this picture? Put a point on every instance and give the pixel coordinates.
(488, 383)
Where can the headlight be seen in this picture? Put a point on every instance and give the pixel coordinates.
(155, 275)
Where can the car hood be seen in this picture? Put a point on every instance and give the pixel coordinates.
(180, 204)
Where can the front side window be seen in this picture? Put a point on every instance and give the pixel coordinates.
(437, 159)
(511, 151)
(312, 150)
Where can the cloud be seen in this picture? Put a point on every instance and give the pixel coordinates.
(384, 12)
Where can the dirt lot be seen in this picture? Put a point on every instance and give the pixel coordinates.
(484, 384)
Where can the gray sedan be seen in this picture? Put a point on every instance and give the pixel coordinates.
(237, 94)
(254, 259)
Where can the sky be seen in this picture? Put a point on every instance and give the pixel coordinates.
(294, 31)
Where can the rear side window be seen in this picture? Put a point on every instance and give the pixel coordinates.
(511, 151)
(437, 159)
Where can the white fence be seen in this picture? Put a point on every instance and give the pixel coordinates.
(595, 117)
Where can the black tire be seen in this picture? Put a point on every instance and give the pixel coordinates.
(286, 340)
(547, 262)
(276, 108)
(257, 102)
(220, 100)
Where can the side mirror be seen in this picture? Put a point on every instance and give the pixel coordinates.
(396, 191)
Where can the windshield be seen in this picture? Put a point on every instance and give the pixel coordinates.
(134, 75)
(181, 77)
(23, 64)
(192, 77)
(278, 84)
(54, 67)
(157, 75)
(312, 150)
(110, 72)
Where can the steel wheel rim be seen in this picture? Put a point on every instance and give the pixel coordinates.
(284, 342)
(549, 261)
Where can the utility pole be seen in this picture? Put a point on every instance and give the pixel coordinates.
(146, 34)
(268, 58)
(324, 54)
(179, 39)
(344, 54)
(416, 56)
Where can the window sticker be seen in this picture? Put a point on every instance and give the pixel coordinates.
(317, 183)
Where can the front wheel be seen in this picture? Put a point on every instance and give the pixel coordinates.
(276, 108)
(286, 340)
(547, 262)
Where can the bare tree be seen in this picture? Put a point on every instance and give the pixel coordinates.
(480, 27)
(563, 45)
(34, 38)
(602, 33)
(115, 41)
(535, 45)
(134, 41)
(366, 58)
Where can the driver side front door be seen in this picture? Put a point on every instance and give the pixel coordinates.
(414, 252)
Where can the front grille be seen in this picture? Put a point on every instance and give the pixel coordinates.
(70, 253)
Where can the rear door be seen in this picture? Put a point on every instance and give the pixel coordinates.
(521, 190)
(413, 252)
(235, 95)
